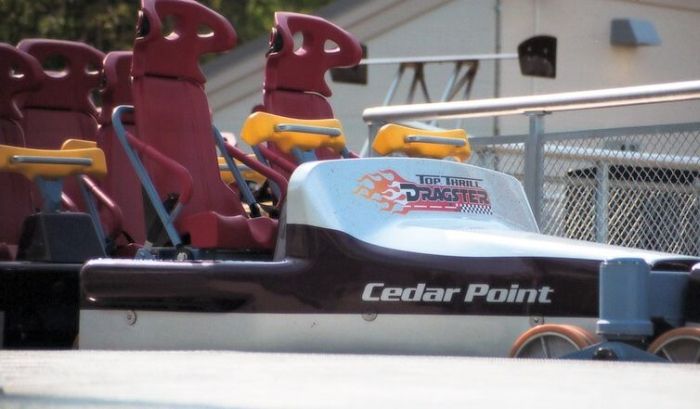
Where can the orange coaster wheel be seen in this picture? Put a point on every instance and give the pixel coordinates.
(550, 341)
(678, 345)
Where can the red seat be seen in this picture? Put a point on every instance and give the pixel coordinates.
(62, 108)
(121, 182)
(20, 73)
(173, 116)
(295, 84)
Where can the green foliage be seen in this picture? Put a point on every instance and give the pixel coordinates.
(254, 17)
(109, 24)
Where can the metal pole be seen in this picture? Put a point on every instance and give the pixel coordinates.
(602, 193)
(497, 65)
(696, 251)
(394, 85)
(534, 161)
(451, 82)
(469, 79)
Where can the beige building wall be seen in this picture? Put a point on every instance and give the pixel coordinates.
(389, 28)
(586, 60)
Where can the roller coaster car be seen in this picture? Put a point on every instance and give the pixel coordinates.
(386, 255)
(408, 255)
(42, 251)
(379, 255)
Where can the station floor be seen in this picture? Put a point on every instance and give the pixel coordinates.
(214, 379)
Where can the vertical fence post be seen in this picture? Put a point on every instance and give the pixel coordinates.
(534, 163)
(696, 250)
(602, 193)
(366, 151)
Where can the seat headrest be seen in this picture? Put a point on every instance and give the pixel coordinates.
(304, 69)
(20, 72)
(116, 83)
(176, 54)
(68, 88)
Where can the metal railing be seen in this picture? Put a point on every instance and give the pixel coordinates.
(567, 101)
(592, 190)
(458, 81)
(595, 184)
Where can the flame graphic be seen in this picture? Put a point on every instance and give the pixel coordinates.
(383, 187)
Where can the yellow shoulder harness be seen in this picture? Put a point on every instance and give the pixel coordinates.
(289, 133)
(420, 143)
(75, 157)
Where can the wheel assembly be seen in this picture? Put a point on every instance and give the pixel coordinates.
(678, 345)
(551, 341)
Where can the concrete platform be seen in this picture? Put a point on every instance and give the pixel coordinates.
(104, 379)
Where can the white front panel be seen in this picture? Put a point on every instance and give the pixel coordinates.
(386, 201)
(357, 195)
(468, 211)
(342, 333)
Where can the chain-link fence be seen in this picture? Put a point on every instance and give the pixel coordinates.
(636, 187)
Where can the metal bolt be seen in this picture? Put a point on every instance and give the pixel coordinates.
(536, 320)
(604, 354)
(131, 317)
(369, 316)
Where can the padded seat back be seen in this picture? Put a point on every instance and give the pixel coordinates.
(19, 72)
(295, 84)
(171, 108)
(121, 183)
(62, 108)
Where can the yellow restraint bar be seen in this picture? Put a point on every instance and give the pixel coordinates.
(290, 133)
(75, 157)
(414, 142)
(248, 173)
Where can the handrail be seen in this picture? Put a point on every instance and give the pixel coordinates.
(567, 101)
(438, 59)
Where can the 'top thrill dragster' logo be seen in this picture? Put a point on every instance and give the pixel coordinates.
(436, 193)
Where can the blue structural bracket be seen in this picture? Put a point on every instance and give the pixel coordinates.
(624, 299)
(667, 298)
(144, 178)
(261, 158)
(240, 180)
(50, 194)
(614, 351)
(302, 156)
